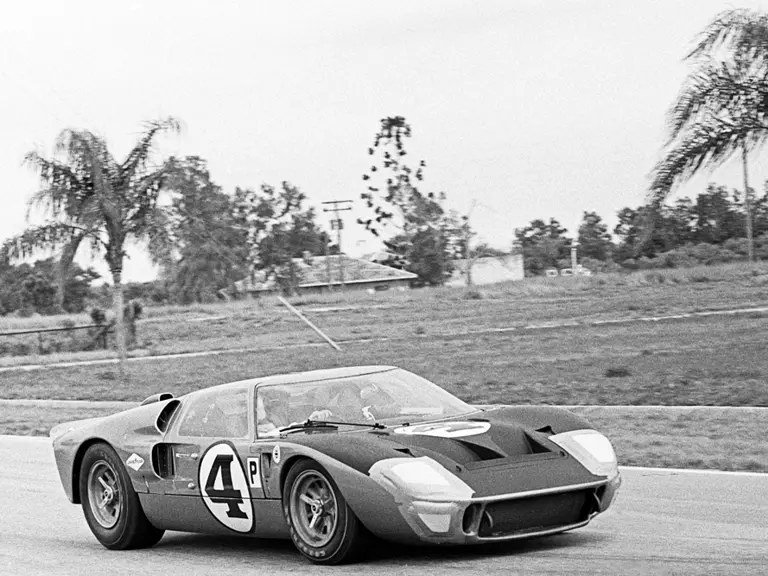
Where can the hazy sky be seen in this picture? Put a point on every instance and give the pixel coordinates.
(533, 108)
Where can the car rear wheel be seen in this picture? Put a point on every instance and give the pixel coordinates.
(110, 504)
(321, 523)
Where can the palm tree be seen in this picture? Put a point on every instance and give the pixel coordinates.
(88, 196)
(720, 111)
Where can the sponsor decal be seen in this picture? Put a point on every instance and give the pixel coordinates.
(446, 429)
(134, 461)
(252, 467)
(276, 454)
(224, 487)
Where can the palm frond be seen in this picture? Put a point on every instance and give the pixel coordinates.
(743, 31)
(62, 186)
(705, 144)
(136, 161)
(36, 239)
(709, 89)
(733, 89)
(142, 195)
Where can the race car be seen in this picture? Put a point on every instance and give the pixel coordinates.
(331, 459)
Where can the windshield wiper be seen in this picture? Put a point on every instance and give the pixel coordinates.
(328, 424)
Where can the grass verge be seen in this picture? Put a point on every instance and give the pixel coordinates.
(696, 361)
(712, 438)
(350, 315)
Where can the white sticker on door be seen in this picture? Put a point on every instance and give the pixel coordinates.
(252, 469)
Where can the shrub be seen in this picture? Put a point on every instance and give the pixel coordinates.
(473, 294)
(617, 372)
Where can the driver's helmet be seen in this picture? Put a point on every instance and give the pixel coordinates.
(272, 405)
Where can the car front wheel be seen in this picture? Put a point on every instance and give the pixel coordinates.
(322, 525)
(110, 504)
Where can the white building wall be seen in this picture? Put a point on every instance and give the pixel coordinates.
(489, 270)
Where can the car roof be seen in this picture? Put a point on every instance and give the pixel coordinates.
(308, 376)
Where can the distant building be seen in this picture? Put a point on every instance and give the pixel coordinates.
(314, 272)
(489, 270)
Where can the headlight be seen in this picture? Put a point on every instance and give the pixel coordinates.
(591, 449)
(419, 472)
(419, 478)
(597, 445)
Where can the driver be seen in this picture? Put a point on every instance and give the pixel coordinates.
(272, 412)
(349, 402)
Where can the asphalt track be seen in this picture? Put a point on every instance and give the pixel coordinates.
(664, 522)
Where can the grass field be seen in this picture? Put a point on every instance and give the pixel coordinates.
(695, 361)
(716, 438)
(426, 312)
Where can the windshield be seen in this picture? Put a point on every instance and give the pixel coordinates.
(391, 397)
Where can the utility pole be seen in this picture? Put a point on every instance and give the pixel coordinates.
(574, 260)
(337, 224)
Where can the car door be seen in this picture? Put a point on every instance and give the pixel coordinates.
(206, 487)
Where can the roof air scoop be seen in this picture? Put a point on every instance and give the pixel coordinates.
(157, 398)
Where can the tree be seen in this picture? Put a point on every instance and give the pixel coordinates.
(722, 106)
(544, 245)
(424, 237)
(277, 229)
(212, 250)
(716, 217)
(594, 239)
(85, 191)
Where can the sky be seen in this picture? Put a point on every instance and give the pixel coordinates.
(528, 108)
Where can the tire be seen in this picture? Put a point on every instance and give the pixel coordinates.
(336, 536)
(110, 504)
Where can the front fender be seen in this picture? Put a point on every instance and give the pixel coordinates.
(374, 506)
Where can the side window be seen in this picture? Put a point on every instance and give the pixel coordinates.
(217, 414)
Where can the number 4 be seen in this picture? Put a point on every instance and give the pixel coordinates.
(227, 494)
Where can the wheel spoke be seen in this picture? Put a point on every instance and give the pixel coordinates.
(103, 483)
(307, 500)
(315, 518)
(313, 492)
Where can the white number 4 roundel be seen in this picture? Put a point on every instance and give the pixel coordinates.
(224, 488)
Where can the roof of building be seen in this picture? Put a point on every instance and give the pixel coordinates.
(315, 271)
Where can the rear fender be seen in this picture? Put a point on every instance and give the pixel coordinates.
(132, 434)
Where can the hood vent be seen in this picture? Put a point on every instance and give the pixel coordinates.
(482, 452)
(536, 446)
